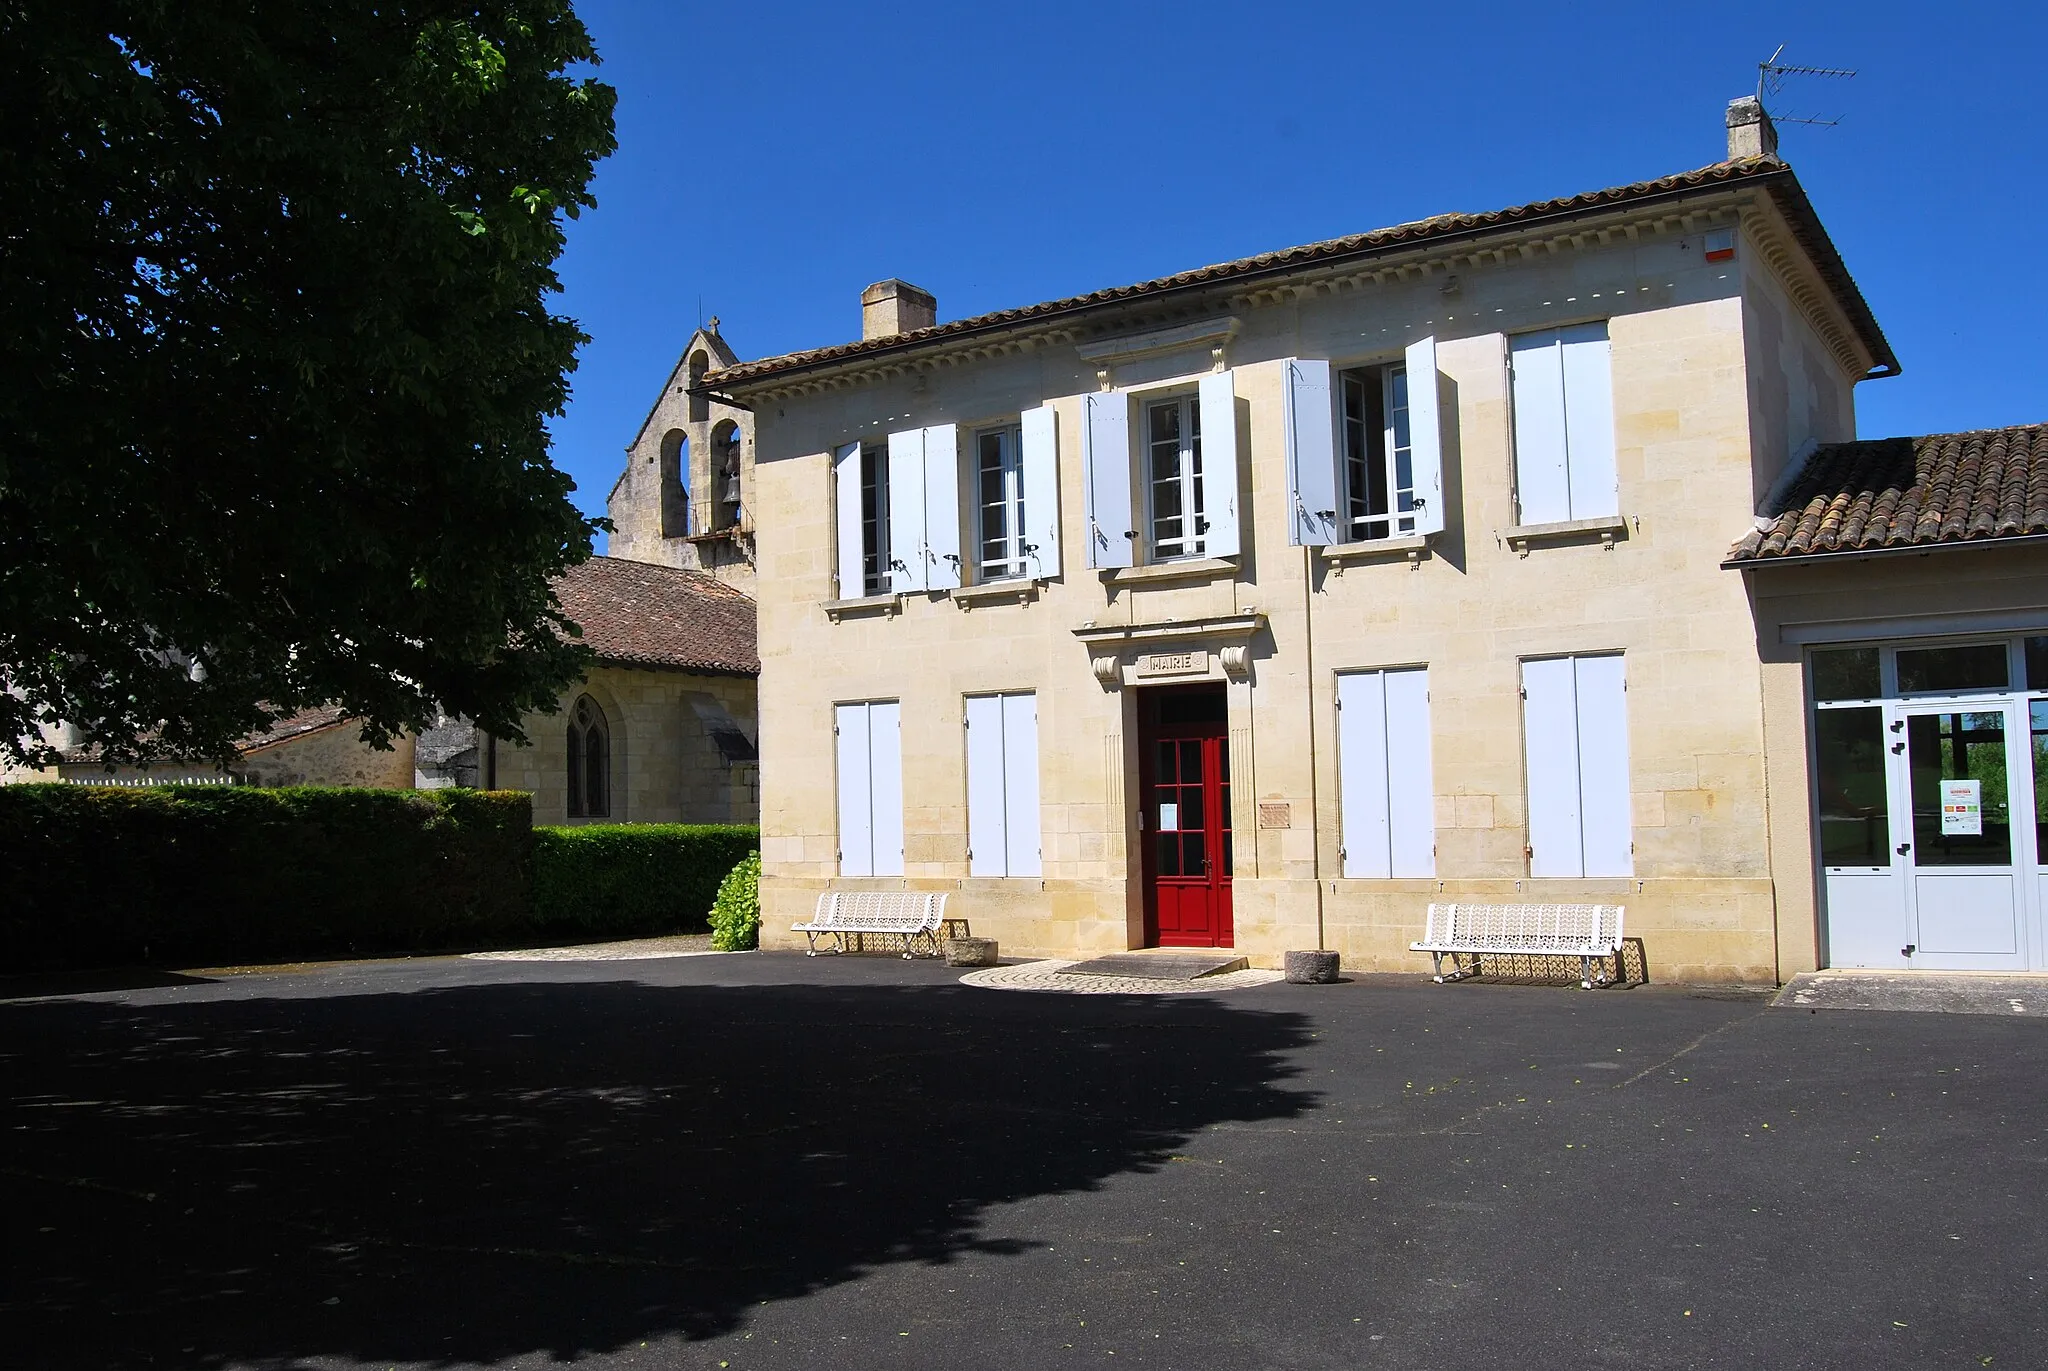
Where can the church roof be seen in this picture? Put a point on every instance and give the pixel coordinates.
(640, 614)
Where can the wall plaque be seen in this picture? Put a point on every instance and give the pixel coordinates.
(1194, 662)
(1275, 815)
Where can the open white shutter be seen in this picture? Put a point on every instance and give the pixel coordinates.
(1425, 436)
(856, 830)
(906, 510)
(1542, 487)
(942, 507)
(1362, 773)
(1106, 455)
(846, 499)
(987, 847)
(1311, 455)
(1020, 783)
(885, 785)
(1218, 399)
(1041, 462)
(1411, 790)
(1605, 823)
(1550, 728)
(1589, 420)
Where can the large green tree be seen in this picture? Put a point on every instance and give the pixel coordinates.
(276, 359)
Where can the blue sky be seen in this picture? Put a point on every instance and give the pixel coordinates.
(776, 158)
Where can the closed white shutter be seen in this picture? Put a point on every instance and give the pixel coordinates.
(1311, 455)
(906, 510)
(1425, 436)
(1550, 728)
(1411, 790)
(856, 829)
(1106, 457)
(1041, 462)
(1218, 399)
(846, 499)
(1020, 783)
(1589, 420)
(1605, 820)
(1362, 773)
(942, 507)
(1542, 486)
(885, 785)
(987, 842)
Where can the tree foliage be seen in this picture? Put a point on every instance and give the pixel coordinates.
(278, 361)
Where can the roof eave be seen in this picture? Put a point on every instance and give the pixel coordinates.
(1864, 554)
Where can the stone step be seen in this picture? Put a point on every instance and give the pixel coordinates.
(1160, 966)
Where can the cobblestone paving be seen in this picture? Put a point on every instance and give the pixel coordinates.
(1048, 976)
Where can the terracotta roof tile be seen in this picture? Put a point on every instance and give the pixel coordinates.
(639, 614)
(1910, 492)
(1767, 170)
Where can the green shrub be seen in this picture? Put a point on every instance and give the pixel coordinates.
(100, 875)
(632, 880)
(736, 913)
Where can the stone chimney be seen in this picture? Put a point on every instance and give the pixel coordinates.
(1750, 133)
(890, 307)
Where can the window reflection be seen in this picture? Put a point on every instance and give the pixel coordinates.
(1960, 746)
(1855, 820)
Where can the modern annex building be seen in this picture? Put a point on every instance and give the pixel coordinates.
(1523, 555)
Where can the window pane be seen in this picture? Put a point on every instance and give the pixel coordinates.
(2038, 718)
(1855, 822)
(1960, 746)
(1846, 673)
(1980, 666)
(1194, 861)
(1169, 854)
(2037, 663)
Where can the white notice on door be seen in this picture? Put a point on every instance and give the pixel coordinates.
(1169, 818)
(1962, 808)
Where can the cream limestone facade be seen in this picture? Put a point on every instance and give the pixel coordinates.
(1722, 370)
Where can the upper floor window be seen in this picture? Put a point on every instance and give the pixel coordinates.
(874, 520)
(1173, 494)
(589, 772)
(1365, 460)
(1173, 478)
(1564, 424)
(1379, 455)
(899, 507)
(999, 501)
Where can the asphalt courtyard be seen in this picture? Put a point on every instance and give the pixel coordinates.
(765, 1161)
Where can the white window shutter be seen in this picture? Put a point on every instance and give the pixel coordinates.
(1411, 789)
(1106, 455)
(1606, 822)
(1041, 463)
(1218, 399)
(1541, 483)
(1020, 784)
(942, 507)
(987, 842)
(1425, 436)
(885, 767)
(846, 498)
(906, 510)
(1589, 420)
(856, 798)
(1550, 728)
(1362, 773)
(1311, 455)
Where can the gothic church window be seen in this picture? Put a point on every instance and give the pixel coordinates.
(589, 761)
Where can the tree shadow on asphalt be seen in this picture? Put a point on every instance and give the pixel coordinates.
(472, 1174)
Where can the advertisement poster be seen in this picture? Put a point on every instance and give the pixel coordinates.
(1962, 808)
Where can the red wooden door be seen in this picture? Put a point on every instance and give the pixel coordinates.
(1185, 779)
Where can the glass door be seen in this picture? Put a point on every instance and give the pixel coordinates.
(1961, 818)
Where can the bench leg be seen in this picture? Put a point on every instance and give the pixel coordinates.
(1585, 973)
(1436, 960)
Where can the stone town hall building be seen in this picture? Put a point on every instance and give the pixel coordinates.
(1521, 555)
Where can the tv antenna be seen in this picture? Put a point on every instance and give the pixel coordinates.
(1770, 79)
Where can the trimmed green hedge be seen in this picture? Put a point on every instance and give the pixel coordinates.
(632, 880)
(198, 875)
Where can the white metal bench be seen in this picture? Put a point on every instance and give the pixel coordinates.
(909, 914)
(1587, 931)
